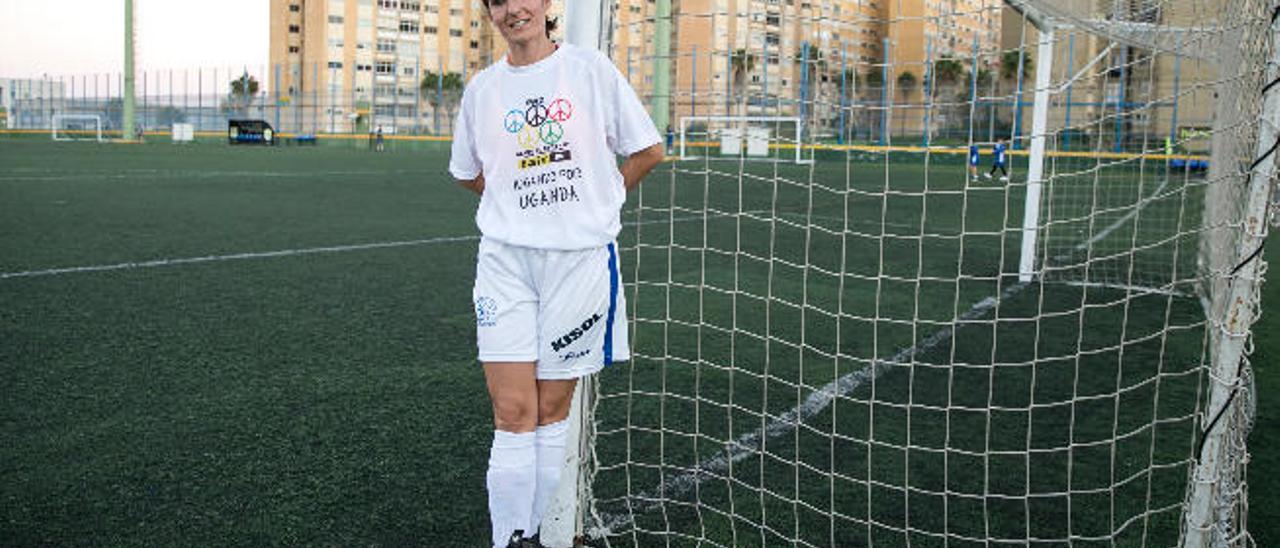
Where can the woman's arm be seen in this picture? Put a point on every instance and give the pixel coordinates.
(640, 164)
(474, 185)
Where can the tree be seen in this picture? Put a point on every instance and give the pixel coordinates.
(441, 89)
(947, 71)
(742, 63)
(169, 116)
(243, 90)
(906, 84)
(1009, 65)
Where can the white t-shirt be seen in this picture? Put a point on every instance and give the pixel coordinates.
(546, 136)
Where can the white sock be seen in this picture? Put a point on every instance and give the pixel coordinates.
(511, 479)
(551, 447)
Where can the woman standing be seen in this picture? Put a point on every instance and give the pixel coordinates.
(537, 137)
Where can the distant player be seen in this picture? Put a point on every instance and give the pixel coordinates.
(377, 140)
(1001, 161)
(973, 162)
(538, 136)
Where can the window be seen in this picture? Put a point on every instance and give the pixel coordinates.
(455, 12)
(386, 46)
(335, 64)
(337, 19)
(407, 71)
(295, 8)
(475, 44)
(409, 26)
(294, 29)
(383, 67)
(456, 33)
(430, 30)
(293, 49)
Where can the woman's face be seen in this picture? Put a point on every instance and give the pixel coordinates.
(519, 21)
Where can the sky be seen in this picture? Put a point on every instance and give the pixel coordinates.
(76, 37)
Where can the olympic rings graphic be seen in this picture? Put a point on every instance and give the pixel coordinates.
(528, 137)
(514, 121)
(561, 110)
(535, 115)
(551, 132)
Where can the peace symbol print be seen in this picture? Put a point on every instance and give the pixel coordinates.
(514, 121)
(551, 132)
(528, 137)
(561, 110)
(535, 115)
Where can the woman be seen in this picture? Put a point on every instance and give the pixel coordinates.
(537, 137)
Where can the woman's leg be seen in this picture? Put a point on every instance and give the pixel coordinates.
(512, 476)
(554, 399)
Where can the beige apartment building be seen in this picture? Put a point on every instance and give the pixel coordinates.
(1112, 96)
(355, 65)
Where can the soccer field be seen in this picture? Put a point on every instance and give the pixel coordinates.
(210, 345)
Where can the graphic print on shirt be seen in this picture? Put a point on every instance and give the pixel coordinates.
(546, 174)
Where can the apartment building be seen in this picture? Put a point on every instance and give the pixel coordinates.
(355, 65)
(1112, 95)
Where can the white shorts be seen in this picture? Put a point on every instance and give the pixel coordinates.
(563, 309)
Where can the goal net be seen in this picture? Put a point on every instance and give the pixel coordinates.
(874, 348)
(76, 127)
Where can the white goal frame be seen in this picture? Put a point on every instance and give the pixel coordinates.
(797, 144)
(56, 123)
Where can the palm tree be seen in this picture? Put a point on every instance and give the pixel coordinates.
(1009, 65)
(243, 90)
(742, 63)
(947, 71)
(441, 89)
(906, 84)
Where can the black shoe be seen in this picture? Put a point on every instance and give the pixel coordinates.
(518, 540)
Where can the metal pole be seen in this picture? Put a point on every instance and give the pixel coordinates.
(693, 83)
(928, 91)
(884, 96)
(843, 92)
(1214, 515)
(1071, 67)
(662, 64)
(129, 133)
(1035, 165)
(275, 88)
(417, 95)
(804, 85)
(1117, 146)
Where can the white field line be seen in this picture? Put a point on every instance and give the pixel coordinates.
(750, 444)
(163, 174)
(153, 263)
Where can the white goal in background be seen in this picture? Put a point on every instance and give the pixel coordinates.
(76, 127)
(772, 138)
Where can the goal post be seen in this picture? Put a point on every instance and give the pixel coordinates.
(76, 127)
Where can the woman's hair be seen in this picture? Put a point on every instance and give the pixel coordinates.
(551, 23)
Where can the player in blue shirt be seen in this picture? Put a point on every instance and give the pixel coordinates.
(973, 162)
(1001, 160)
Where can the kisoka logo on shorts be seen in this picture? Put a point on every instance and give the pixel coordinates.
(575, 334)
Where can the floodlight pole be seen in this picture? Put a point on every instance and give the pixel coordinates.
(129, 134)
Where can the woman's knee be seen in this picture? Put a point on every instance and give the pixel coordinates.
(515, 414)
